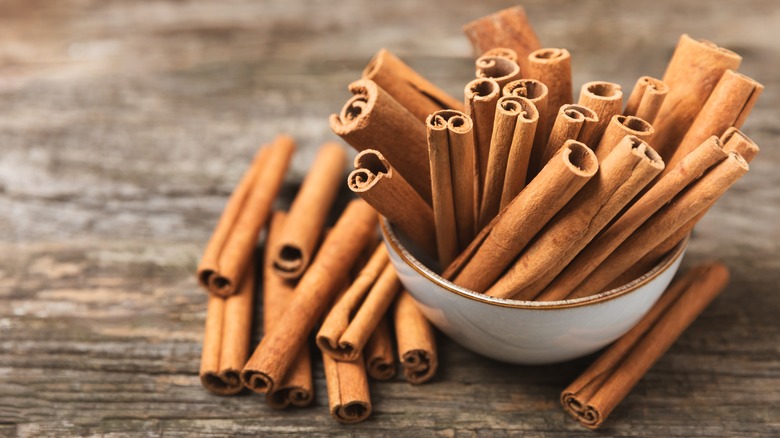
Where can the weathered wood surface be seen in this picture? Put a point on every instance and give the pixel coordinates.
(124, 125)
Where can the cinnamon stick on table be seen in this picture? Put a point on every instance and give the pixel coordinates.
(348, 396)
(379, 356)
(605, 99)
(416, 340)
(378, 183)
(357, 312)
(595, 394)
(692, 73)
(499, 243)
(296, 388)
(620, 126)
(273, 358)
(646, 99)
(510, 153)
(553, 68)
(226, 338)
(670, 185)
(536, 92)
(697, 198)
(228, 253)
(481, 99)
(621, 176)
(506, 28)
(308, 213)
(372, 119)
(407, 87)
(573, 122)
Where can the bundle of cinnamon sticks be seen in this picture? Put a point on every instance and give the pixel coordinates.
(339, 279)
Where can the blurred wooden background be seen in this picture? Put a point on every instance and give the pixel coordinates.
(124, 125)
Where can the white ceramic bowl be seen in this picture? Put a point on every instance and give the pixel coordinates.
(527, 332)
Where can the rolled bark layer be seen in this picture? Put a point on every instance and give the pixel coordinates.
(372, 119)
(416, 341)
(227, 255)
(500, 69)
(620, 126)
(605, 99)
(553, 68)
(481, 99)
(506, 28)
(646, 98)
(573, 122)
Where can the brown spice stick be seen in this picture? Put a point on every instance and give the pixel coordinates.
(372, 119)
(407, 87)
(595, 394)
(573, 122)
(226, 338)
(416, 340)
(355, 314)
(731, 101)
(348, 396)
(620, 126)
(378, 183)
(459, 139)
(380, 359)
(443, 193)
(553, 68)
(698, 197)
(686, 172)
(296, 388)
(507, 235)
(510, 152)
(308, 213)
(329, 270)
(481, 99)
(536, 92)
(500, 69)
(693, 71)
(605, 99)
(227, 255)
(621, 176)
(502, 52)
(506, 28)
(646, 98)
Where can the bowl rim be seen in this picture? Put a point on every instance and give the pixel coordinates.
(391, 238)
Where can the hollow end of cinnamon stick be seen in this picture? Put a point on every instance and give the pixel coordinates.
(547, 55)
(584, 414)
(482, 89)
(352, 412)
(257, 381)
(601, 90)
(227, 382)
(634, 125)
(579, 158)
(735, 140)
(419, 366)
(519, 106)
(379, 369)
(300, 397)
(370, 166)
(216, 283)
(454, 120)
(354, 112)
(574, 112)
(531, 89)
(290, 261)
(500, 69)
(640, 148)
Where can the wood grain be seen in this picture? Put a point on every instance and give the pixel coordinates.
(110, 186)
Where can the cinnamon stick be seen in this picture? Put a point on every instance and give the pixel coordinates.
(692, 73)
(273, 358)
(227, 255)
(451, 144)
(296, 388)
(536, 92)
(506, 28)
(308, 213)
(378, 183)
(620, 126)
(407, 87)
(372, 119)
(605, 99)
(699, 196)
(499, 243)
(595, 394)
(573, 122)
(380, 360)
(416, 341)
(731, 101)
(553, 68)
(348, 396)
(621, 176)
(735, 140)
(502, 52)
(481, 99)
(646, 99)
(510, 152)
(670, 185)
(500, 69)
(226, 338)
(356, 313)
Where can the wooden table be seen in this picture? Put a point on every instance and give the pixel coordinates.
(124, 125)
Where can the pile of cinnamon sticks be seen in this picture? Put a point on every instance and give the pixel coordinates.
(339, 279)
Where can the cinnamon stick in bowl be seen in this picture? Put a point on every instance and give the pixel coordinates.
(536, 92)
(553, 68)
(308, 213)
(229, 250)
(595, 394)
(573, 122)
(416, 341)
(372, 119)
(407, 87)
(481, 99)
(646, 99)
(620, 126)
(273, 358)
(506, 28)
(605, 99)
(500, 69)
